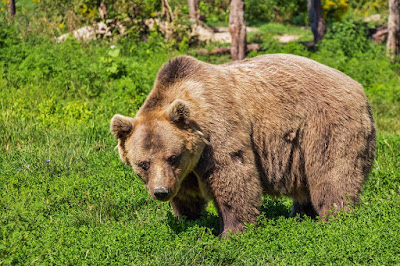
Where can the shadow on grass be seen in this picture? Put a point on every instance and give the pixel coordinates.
(272, 209)
(181, 224)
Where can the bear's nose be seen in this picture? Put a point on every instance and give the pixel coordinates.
(161, 193)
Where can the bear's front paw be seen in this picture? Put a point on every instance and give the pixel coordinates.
(231, 230)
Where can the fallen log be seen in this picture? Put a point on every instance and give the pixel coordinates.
(380, 34)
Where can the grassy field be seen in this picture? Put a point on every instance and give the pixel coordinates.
(66, 198)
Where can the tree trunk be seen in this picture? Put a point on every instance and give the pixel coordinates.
(166, 11)
(237, 29)
(393, 41)
(11, 8)
(316, 18)
(102, 9)
(194, 11)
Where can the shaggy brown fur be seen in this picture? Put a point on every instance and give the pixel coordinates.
(275, 124)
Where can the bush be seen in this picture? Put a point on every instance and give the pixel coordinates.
(347, 37)
(334, 10)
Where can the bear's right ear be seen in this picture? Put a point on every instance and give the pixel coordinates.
(121, 126)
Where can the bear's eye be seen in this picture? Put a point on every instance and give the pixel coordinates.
(173, 160)
(145, 165)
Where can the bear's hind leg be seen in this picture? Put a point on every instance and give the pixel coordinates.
(328, 198)
(335, 167)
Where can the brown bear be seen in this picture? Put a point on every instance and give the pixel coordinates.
(275, 124)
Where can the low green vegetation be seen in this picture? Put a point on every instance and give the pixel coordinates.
(66, 198)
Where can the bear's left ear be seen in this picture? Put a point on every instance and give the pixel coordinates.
(178, 112)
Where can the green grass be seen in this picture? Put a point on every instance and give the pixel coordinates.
(66, 198)
(271, 29)
(280, 29)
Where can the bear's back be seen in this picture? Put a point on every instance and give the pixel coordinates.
(296, 86)
(292, 74)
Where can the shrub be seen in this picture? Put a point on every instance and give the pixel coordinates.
(347, 37)
(334, 10)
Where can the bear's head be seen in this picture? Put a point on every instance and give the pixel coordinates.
(162, 146)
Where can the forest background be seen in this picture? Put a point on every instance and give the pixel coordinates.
(66, 198)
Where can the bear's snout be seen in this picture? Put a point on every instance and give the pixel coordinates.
(161, 193)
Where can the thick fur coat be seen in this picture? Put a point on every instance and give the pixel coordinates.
(275, 124)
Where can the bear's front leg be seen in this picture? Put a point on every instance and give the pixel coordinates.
(235, 187)
(303, 208)
(189, 201)
(235, 211)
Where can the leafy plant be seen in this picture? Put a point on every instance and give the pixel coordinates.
(335, 9)
(347, 37)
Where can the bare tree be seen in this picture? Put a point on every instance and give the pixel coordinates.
(237, 29)
(194, 11)
(166, 11)
(393, 41)
(11, 8)
(316, 18)
(102, 9)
